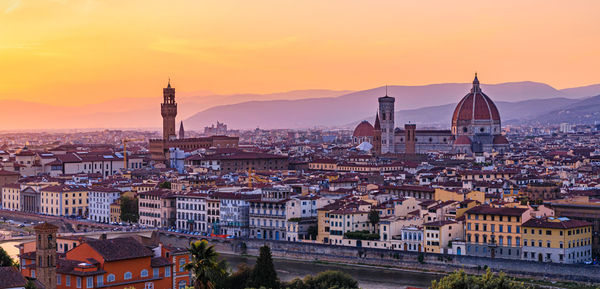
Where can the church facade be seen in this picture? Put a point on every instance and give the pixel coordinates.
(475, 128)
(159, 148)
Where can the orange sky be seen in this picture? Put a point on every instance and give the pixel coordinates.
(73, 52)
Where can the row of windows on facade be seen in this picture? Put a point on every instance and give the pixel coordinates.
(109, 278)
(74, 202)
(484, 228)
(188, 206)
(573, 243)
(569, 232)
(484, 239)
(493, 218)
(190, 216)
(573, 255)
(268, 212)
(264, 223)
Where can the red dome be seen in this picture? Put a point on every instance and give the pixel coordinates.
(363, 129)
(476, 106)
(462, 140)
(500, 140)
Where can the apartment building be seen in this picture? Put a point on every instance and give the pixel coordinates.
(495, 232)
(557, 240)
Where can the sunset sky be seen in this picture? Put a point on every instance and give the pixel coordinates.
(72, 52)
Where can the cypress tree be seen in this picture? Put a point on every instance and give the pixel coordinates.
(263, 274)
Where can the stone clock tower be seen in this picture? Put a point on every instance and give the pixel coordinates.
(168, 110)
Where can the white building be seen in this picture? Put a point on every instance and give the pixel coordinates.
(99, 200)
(234, 213)
(191, 212)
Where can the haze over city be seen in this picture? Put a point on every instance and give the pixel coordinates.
(299, 144)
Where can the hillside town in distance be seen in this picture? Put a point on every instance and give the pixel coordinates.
(118, 208)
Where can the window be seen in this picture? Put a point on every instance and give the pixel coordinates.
(58, 279)
(167, 271)
(68, 281)
(155, 272)
(78, 279)
(181, 285)
(89, 282)
(181, 264)
(144, 273)
(100, 280)
(127, 276)
(110, 278)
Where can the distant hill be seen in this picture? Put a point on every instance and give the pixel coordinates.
(126, 112)
(427, 104)
(344, 109)
(586, 111)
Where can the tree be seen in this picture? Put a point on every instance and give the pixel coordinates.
(489, 280)
(5, 259)
(207, 271)
(129, 210)
(239, 279)
(374, 218)
(325, 280)
(165, 185)
(263, 274)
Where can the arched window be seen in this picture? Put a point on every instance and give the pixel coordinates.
(110, 278)
(127, 275)
(144, 273)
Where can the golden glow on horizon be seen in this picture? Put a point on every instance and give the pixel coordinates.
(71, 52)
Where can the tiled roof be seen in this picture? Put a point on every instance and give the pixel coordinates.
(11, 278)
(120, 249)
(487, 210)
(555, 223)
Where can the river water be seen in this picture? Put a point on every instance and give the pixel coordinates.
(367, 277)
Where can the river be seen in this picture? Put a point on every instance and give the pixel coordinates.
(367, 277)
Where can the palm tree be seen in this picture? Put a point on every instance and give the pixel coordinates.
(207, 270)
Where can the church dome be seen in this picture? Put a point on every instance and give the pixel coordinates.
(475, 107)
(363, 129)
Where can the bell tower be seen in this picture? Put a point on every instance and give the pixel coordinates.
(386, 116)
(168, 110)
(45, 264)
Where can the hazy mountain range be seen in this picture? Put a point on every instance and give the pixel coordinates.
(425, 105)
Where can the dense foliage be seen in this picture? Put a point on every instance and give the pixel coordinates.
(324, 280)
(5, 259)
(165, 185)
(129, 210)
(361, 235)
(489, 280)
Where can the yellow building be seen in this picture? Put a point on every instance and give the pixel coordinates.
(64, 200)
(323, 225)
(459, 196)
(115, 211)
(557, 240)
(495, 232)
(323, 165)
(11, 197)
(439, 234)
